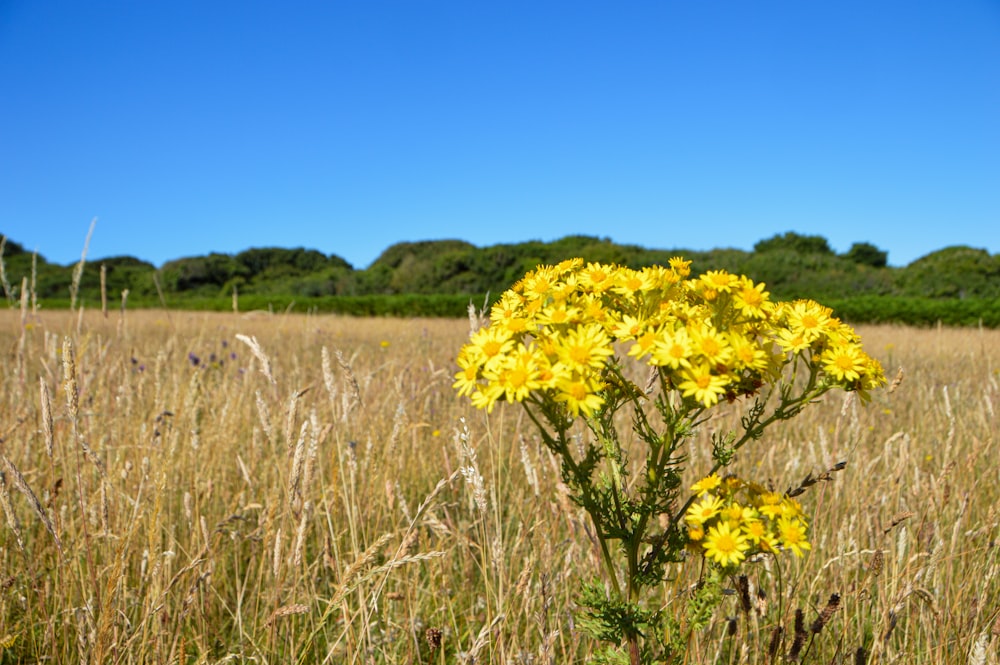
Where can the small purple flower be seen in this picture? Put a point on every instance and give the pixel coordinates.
(225, 344)
(195, 360)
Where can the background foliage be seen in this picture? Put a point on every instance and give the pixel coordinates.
(955, 286)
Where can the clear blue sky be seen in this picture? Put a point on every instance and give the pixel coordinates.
(349, 125)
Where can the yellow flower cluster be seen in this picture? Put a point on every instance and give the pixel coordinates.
(716, 336)
(733, 519)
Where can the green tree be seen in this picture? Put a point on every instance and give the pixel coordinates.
(792, 241)
(952, 272)
(867, 254)
(205, 274)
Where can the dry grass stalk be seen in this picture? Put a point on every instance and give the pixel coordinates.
(73, 403)
(70, 385)
(978, 653)
(896, 382)
(290, 414)
(286, 610)
(529, 469)
(478, 318)
(22, 485)
(316, 435)
(329, 380)
(104, 290)
(470, 468)
(8, 511)
(24, 304)
(482, 639)
(258, 352)
(276, 554)
(264, 414)
(74, 287)
(46, 405)
(352, 381)
(398, 422)
(297, 462)
(300, 536)
(402, 561)
(244, 471)
(3, 272)
(898, 519)
(352, 576)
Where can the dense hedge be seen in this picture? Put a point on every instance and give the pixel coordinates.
(860, 309)
(955, 285)
(416, 305)
(918, 311)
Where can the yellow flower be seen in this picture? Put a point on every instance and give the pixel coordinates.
(568, 265)
(733, 484)
(771, 504)
(706, 484)
(519, 375)
(597, 277)
(749, 299)
(809, 319)
(704, 386)
(709, 343)
(631, 282)
(736, 514)
(586, 347)
(715, 335)
(486, 397)
(558, 313)
(791, 508)
(487, 346)
(672, 349)
(724, 545)
(719, 281)
(844, 362)
(508, 307)
(757, 532)
(516, 324)
(579, 395)
(792, 341)
(466, 380)
(704, 510)
(537, 284)
(643, 344)
(593, 308)
(680, 266)
(629, 327)
(792, 535)
(747, 353)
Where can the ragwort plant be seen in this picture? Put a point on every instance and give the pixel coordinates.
(558, 343)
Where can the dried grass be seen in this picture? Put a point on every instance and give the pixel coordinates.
(168, 512)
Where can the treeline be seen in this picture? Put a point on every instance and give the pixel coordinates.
(956, 285)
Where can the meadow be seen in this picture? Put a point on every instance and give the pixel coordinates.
(184, 487)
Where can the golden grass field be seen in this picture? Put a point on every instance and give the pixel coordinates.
(323, 501)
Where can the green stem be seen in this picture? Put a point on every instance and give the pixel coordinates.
(572, 469)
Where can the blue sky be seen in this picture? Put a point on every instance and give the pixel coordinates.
(346, 126)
